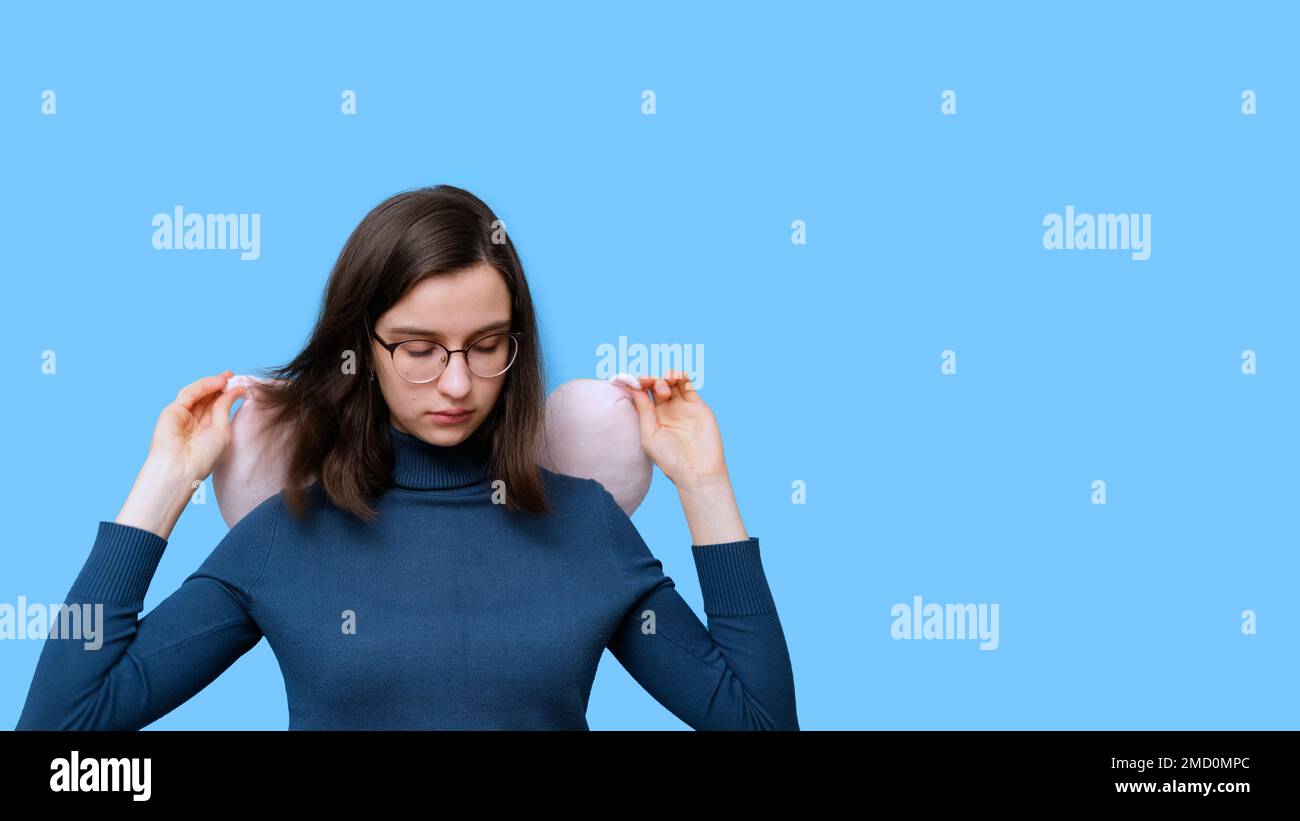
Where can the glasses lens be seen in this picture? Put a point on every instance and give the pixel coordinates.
(491, 355)
(419, 360)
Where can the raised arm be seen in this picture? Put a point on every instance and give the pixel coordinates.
(736, 673)
(117, 671)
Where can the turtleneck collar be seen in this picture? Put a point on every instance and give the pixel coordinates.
(422, 466)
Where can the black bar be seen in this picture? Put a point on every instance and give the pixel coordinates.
(971, 768)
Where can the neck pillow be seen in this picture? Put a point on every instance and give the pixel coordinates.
(591, 431)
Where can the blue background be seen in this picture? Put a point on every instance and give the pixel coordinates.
(822, 360)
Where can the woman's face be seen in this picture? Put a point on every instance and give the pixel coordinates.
(454, 310)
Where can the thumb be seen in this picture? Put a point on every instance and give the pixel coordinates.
(221, 410)
(645, 411)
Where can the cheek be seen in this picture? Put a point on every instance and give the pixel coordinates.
(401, 397)
(489, 400)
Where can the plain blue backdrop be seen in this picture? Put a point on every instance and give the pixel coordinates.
(924, 233)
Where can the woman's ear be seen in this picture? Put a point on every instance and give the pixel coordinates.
(593, 432)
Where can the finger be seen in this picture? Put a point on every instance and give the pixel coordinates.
(647, 420)
(200, 388)
(648, 382)
(210, 406)
(200, 412)
(669, 380)
(221, 408)
(203, 410)
(670, 376)
(623, 379)
(689, 392)
(678, 381)
(660, 387)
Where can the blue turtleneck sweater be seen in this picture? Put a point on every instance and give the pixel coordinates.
(447, 612)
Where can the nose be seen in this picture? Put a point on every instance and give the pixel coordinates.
(456, 378)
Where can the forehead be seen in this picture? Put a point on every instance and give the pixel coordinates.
(453, 304)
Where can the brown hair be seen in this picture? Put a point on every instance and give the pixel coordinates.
(338, 415)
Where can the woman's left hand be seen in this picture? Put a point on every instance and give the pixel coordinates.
(679, 431)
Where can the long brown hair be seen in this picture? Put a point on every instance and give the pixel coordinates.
(338, 417)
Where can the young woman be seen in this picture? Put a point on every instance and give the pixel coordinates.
(430, 574)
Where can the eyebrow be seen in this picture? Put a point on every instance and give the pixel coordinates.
(424, 332)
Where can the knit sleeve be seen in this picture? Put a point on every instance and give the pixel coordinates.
(733, 675)
(123, 672)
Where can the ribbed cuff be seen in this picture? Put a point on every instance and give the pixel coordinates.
(732, 582)
(120, 566)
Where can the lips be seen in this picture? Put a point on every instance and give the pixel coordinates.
(450, 418)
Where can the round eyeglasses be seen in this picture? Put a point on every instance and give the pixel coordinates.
(423, 360)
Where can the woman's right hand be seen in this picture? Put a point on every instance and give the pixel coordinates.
(190, 436)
